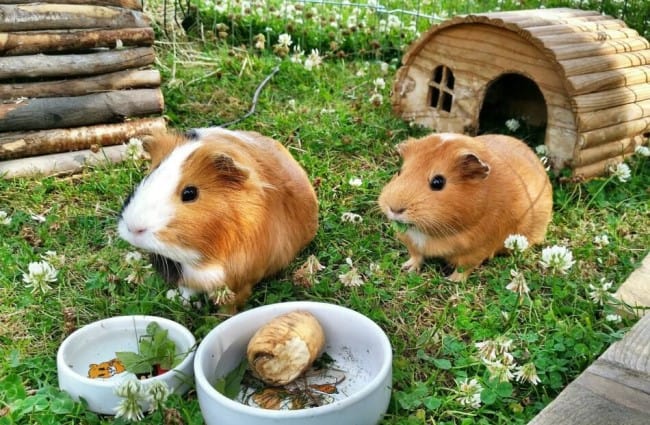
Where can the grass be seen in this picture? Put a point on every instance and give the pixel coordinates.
(325, 118)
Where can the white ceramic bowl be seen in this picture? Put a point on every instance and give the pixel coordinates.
(351, 339)
(99, 341)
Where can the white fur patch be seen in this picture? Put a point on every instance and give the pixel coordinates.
(151, 208)
(445, 137)
(204, 278)
(418, 238)
(206, 132)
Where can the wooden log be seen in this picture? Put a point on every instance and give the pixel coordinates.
(603, 100)
(20, 145)
(30, 42)
(62, 112)
(577, 27)
(586, 37)
(605, 63)
(46, 16)
(609, 47)
(615, 132)
(599, 168)
(61, 163)
(34, 66)
(128, 4)
(596, 82)
(607, 151)
(121, 80)
(618, 115)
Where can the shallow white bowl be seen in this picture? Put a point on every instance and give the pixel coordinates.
(99, 341)
(350, 338)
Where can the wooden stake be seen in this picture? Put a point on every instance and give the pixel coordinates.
(30, 42)
(36, 66)
(129, 79)
(63, 112)
(19, 145)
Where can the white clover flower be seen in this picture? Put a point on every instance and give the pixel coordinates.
(490, 349)
(134, 149)
(501, 370)
(158, 393)
(642, 150)
(600, 294)
(260, 41)
(292, 104)
(614, 318)
(601, 240)
(361, 73)
(518, 283)
(5, 220)
(379, 83)
(133, 395)
(376, 99)
(469, 393)
(352, 277)
(132, 257)
(53, 258)
(621, 171)
(314, 60)
(557, 259)
(284, 40)
(355, 181)
(350, 217)
(516, 242)
(541, 150)
(296, 56)
(527, 373)
(512, 124)
(39, 275)
(383, 67)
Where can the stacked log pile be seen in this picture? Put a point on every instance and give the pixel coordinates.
(75, 78)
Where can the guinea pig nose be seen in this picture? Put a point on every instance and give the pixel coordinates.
(137, 230)
(397, 210)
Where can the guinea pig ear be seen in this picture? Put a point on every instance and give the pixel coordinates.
(471, 167)
(403, 147)
(228, 170)
(160, 145)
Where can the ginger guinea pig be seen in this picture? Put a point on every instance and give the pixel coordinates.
(460, 197)
(220, 210)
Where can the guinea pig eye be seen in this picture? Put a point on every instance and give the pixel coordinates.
(189, 193)
(437, 182)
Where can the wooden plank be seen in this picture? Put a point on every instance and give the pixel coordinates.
(605, 63)
(129, 4)
(21, 145)
(48, 16)
(61, 163)
(600, 81)
(600, 168)
(63, 112)
(71, 65)
(618, 115)
(121, 80)
(615, 389)
(30, 42)
(575, 28)
(635, 291)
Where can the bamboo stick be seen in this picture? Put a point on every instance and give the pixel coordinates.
(128, 4)
(61, 163)
(30, 42)
(74, 64)
(62, 112)
(20, 145)
(121, 80)
(48, 16)
(606, 151)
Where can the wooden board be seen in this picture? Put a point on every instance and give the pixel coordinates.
(615, 389)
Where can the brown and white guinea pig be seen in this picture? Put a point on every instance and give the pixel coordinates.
(220, 209)
(462, 196)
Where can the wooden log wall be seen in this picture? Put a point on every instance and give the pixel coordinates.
(74, 75)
